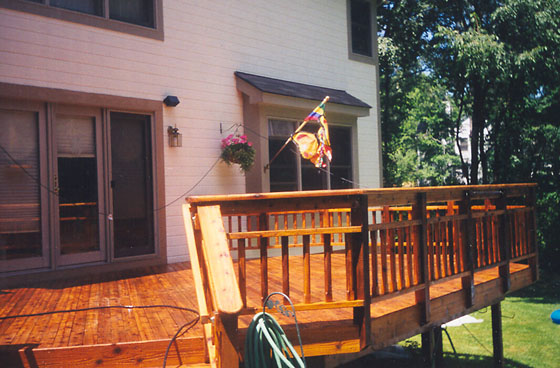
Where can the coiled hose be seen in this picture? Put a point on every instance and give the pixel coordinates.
(266, 344)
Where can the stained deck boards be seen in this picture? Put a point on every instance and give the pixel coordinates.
(171, 284)
(94, 331)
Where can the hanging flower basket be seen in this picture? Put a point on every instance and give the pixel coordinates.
(238, 150)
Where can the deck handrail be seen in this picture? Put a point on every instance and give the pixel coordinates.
(416, 237)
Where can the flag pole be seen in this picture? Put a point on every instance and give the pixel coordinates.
(267, 166)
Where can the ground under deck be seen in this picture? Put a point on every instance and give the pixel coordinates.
(139, 337)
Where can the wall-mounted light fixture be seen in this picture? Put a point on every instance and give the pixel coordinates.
(175, 138)
(171, 101)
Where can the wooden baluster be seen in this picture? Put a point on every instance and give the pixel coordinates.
(391, 247)
(383, 238)
(400, 234)
(306, 269)
(451, 246)
(241, 264)
(314, 238)
(495, 238)
(374, 260)
(460, 246)
(521, 229)
(295, 226)
(479, 243)
(348, 263)
(230, 226)
(327, 254)
(437, 248)
(430, 248)
(415, 231)
(276, 239)
(409, 251)
(517, 234)
(486, 228)
(263, 246)
(341, 237)
(444, 242)
(285, 240)
(242, 270)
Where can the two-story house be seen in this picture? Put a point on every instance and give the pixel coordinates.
(89, 89)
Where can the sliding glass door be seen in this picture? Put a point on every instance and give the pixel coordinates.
(76, 186)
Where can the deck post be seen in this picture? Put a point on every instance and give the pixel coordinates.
(263, 249)
(360, 268)
(432, 348)
(468, 231)
(497, 337)
(504, 243)
(226, 331)
(422, 295)
(438, 340)
(531, 200)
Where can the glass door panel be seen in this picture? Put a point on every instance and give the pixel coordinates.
(21, 235)
(77, 181)
(131, 183)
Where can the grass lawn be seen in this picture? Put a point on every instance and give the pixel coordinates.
(531, 339)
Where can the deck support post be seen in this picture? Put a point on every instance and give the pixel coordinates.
(531, 201)
(432, 348)
(497, 337)
(422, 295)
(360, 268)
(468, 231)
(226, 331)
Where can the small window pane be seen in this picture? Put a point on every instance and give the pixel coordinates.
(83, 6)
(139, 12)
(283, 170)
(312, 178)
(360, 14)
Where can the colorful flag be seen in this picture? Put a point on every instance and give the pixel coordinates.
(315, 147)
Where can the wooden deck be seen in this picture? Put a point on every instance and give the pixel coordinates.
(139, 337)
(363, 268)
(102, 337)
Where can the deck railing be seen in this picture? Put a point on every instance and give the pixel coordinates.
(394, 241)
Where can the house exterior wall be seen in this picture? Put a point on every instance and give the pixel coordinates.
(204, 43)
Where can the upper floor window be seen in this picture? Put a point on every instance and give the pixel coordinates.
(361, 29)
(140, 17)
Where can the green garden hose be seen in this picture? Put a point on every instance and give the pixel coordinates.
(266, 344)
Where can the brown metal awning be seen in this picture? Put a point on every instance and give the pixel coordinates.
(299, 90)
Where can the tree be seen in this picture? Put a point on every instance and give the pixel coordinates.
(497, 62)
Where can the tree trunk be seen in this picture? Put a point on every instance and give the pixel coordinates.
(477, 128)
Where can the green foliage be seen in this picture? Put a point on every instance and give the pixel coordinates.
(497, 62)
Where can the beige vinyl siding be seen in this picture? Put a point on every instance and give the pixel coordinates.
(204, 43)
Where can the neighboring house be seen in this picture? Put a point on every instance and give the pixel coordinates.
(87, 176)
(464, 148)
